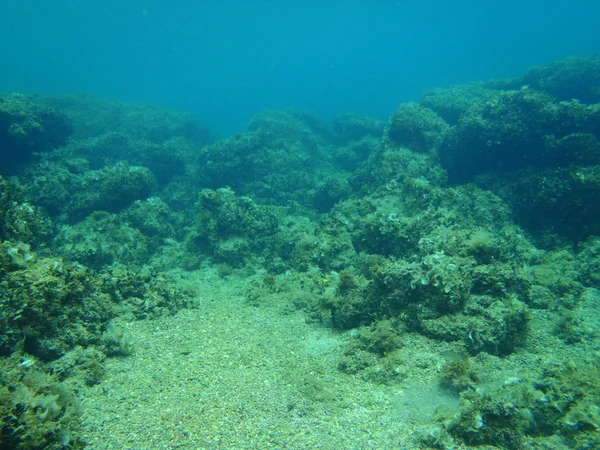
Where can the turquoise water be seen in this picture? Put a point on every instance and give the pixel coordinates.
(227, 60)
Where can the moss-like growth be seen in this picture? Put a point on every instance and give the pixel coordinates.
(117, 342)
(21, 221)
(111, 189)
(502, 132)
(497, 327)
(452, 102)
(101, 240)
(354, 127)
(575, 77)
(563, 402)
(416, 127)
(458, 375)
(371, 353)
(27, 128)
(229, 229)
(380, 338)
(482, 245)
(36, 409)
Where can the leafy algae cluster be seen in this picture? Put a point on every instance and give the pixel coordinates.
(466, 221)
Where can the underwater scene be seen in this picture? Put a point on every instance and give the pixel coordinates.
(314, 279)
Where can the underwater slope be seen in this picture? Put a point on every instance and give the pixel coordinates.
(305, 283)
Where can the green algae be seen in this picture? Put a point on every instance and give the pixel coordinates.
(466, 224)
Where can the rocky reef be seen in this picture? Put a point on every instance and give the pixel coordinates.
(467, 221)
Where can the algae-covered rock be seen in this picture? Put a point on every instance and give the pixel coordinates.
(94, 116)
(416, 127)
(166, 160)
(351, 156)
(555, 202)
(497, 327)
(52, 184)
(21, 221)
(503, 133)
(110, 189)
(354, 224)
(27, 128)
(280, 160)
(577, 77)
(154, 218)
(442, 274)
(452, 102)
(330, 191)
(354, 127)
(231, 229)
(49, 307)
(100, 240)
(540, 156)
(563, 403)
(36, 409)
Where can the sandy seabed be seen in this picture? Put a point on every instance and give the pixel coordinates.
(229, 375)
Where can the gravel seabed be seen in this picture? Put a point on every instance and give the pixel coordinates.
(227, 375)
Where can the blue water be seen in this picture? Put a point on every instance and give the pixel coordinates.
(225, 60)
